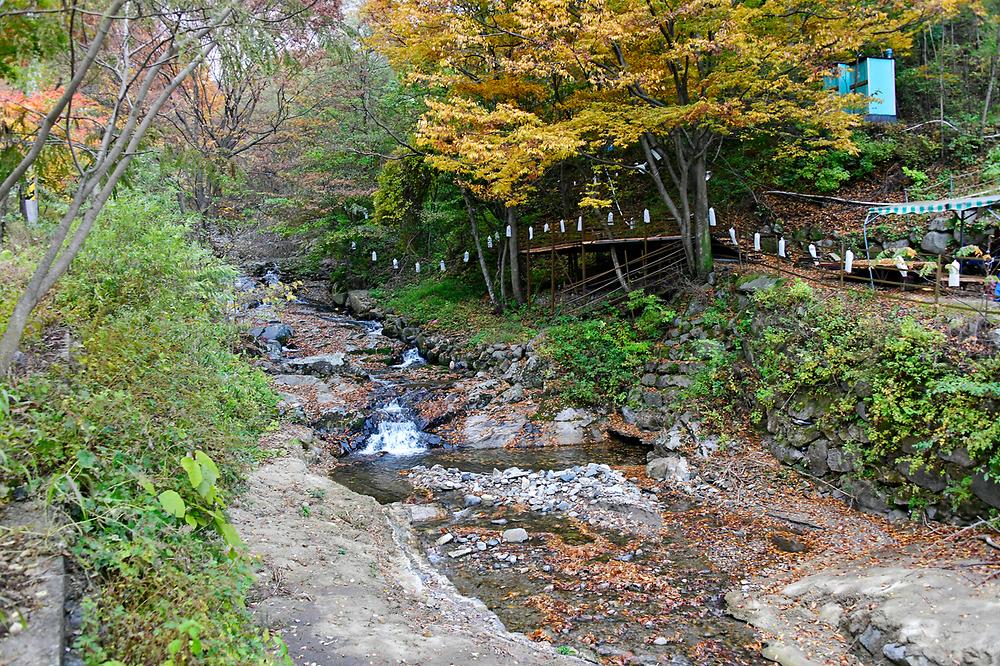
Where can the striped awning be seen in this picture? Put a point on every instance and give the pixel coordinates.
(918, 207)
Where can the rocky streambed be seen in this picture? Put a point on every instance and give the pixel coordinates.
(584, 548)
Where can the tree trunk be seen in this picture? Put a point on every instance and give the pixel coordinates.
(702, 230)
(683, 222)
(515, 269)
(470, 209)
(992, 81)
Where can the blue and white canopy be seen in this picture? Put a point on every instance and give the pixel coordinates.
(919, 207)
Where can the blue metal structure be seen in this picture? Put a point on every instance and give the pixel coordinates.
(874, 78)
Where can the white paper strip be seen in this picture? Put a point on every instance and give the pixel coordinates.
(756, 242)
(374, 256)
(611, 219)
(489, 242)
(645, 216)
(545, 228)
(812, 251)
(849, 262)
(418, 266)
(901, 265)
(465, 257)
(531, 233)
(711, 217)
(395, 264)
(441, 266)
(579, 223)
(562, 226)
(508, 231)
(954, 274)
(354, 246)
(732, 235)
(781, 247)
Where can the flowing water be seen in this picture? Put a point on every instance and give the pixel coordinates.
(601, 591)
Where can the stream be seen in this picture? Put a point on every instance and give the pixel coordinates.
(589, 580)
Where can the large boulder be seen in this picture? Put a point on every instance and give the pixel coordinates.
(936, 242)
(672, 467)
(760, 283)
(487, 432)
(570, 427)
(360, 302)
(322, 365)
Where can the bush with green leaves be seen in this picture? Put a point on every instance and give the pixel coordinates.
(922, 397)
(600, 359)
(153, 400)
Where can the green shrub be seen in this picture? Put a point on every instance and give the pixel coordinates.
(155, 380)
(600, 359)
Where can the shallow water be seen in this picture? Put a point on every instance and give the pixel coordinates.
(609, 593)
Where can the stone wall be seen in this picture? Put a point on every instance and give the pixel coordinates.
(794, 430)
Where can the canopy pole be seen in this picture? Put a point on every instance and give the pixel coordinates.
(872, 215)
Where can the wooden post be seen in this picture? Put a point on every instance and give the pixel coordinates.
(552, 274)
(937, 285)
(645, 252)
(843, 257)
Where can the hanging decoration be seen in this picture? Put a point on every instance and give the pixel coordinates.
(756, 242)
(395, 264)
(354, 246)
(465, 257)
(374, 256)
(645, 216)
(417, 267)
(732, 235)
(611, 219)
(849, 262)
(562, 226)
(812, 253)
(531, 233)
(954, 274)
(441, 266)
(508, 231)
(545, 228)
(489, 242)
(711, 217)
(903, 268)
(781, 247)
(579, 223)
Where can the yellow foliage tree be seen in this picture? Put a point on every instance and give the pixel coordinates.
(676, 77)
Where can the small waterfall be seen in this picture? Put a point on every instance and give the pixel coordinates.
(396, 434)
(411, 357)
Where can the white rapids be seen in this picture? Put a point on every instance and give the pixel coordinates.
(412, 357)
(397, 435)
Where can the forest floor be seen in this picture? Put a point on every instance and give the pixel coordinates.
(345, 580)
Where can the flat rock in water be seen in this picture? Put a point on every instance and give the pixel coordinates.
(321, 365)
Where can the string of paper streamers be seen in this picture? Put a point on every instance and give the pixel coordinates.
(954, 268)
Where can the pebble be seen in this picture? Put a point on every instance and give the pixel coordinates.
(447, 538)
(660, 640)
(455, 554)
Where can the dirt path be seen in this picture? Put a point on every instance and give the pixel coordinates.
(338, 585)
